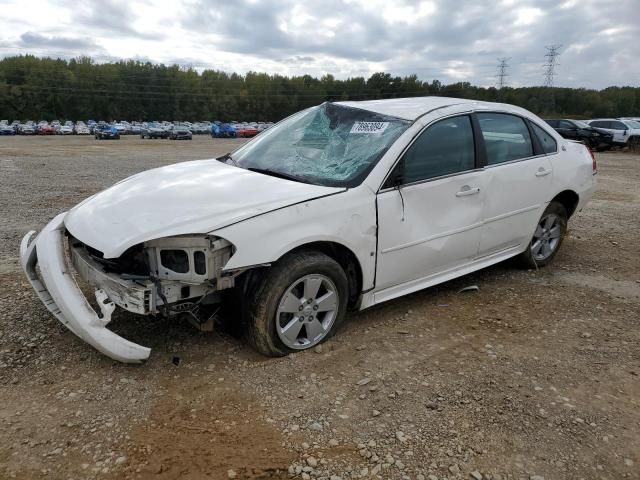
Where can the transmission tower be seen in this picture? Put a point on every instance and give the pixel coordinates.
(553, 52)
(502, 72)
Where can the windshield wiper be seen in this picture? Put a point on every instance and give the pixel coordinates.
(225, 157)
(273, 173)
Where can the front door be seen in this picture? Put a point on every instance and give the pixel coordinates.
(430, 211)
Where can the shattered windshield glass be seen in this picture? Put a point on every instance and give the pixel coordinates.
(329, 145)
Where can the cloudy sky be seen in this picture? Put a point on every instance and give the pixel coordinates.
(436, 39)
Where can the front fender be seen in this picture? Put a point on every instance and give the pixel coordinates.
(347, 218)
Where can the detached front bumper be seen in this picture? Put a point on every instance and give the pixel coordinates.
(61, 295)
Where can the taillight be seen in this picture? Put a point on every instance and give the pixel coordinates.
(594, 164)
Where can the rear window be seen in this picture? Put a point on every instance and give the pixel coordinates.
(505, 136)
(547, 142)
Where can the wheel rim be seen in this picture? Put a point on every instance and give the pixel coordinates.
(546, 237)
(307, 311)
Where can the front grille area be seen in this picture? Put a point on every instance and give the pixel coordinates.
(133, 261)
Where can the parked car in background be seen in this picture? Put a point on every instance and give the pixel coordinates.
(122, 128)
(223, 130)
(302, 224)
(199, 128)
(247, 131)
(106, 132)
(180, 133)
(7, 129)
(46, 130)
(625, 132)
(65, 130)
(595, 138)
(83, 130)
(26, 129)
(153, 130)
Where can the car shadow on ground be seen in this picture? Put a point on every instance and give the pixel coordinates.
(172, 338)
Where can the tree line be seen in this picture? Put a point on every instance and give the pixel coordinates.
(33, 88)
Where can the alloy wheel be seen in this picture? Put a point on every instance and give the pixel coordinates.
(546, 238)
(307, 311)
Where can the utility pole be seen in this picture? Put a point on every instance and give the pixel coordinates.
(553, 52)
(502, 72)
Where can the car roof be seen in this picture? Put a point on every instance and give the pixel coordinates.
(410, 108)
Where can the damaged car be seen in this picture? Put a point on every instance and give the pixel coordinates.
(338, 207)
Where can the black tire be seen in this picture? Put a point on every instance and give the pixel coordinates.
(265, 294)
(527, 258)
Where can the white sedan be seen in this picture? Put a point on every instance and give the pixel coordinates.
(341, 206)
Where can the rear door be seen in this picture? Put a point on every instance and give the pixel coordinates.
(519, 180)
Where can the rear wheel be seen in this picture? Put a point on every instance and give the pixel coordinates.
(299, 303)
(547, 237)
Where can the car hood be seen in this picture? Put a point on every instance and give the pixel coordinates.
(185, 198)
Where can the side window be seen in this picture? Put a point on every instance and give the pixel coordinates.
(618, 126)
(505, 136)
(547, 142)
(444, 148)
(565, 124)
(552, 123)
(600, 124)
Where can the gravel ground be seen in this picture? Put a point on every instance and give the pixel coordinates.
(534, 376)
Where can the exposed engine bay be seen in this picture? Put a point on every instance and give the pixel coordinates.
(169, 276)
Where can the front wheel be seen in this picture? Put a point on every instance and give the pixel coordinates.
(547, 236)
(299, 303)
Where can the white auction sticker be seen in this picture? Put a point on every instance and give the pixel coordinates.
(369, 127)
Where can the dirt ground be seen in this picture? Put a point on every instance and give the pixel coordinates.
(534, 376)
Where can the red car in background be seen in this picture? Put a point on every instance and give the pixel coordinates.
(247, 132)
(46, 130)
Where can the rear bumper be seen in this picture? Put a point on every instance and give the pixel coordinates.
(61, 295)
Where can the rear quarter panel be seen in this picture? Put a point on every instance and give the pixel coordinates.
(573, 170)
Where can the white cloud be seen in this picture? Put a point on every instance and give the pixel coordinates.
(434, 39)
(527, 16)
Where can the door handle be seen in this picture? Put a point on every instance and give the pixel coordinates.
(542, 172)
(467, 190)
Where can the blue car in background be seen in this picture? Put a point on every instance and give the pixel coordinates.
(106, 132)
(223, 130)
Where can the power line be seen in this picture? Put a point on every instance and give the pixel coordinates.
(502, 71)
(553, 52)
